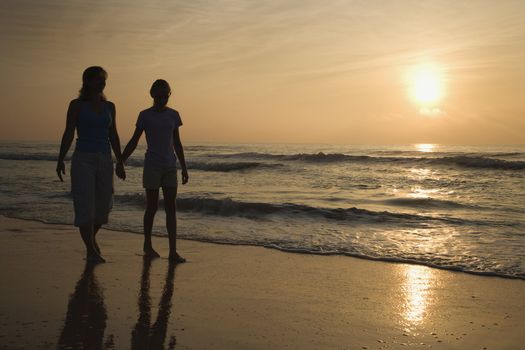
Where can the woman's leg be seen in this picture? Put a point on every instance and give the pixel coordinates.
(96, 227)
(103, 194)
(152, 200)
(83, 188)
(86, 232)
(170, 194)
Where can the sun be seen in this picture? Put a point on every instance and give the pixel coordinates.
(426, 85)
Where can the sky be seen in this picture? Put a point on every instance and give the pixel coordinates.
(294, 71)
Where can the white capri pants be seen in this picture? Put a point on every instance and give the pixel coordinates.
(91, 187)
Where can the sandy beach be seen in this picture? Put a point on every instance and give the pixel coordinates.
(239, 297)
(345, 175)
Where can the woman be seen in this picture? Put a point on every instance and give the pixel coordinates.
(161, 125)
(94, 119)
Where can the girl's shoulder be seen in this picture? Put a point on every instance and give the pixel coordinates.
(173, 111)
(146, 111)
(144, 114)
(151, 112)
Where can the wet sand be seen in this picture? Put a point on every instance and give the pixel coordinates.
(237, 297)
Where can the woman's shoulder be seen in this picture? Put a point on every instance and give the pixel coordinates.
(75, 105)
(110, 104)
(75, 102)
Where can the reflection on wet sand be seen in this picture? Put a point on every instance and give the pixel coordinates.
(86, 316)
(145, 335)
(417, 292)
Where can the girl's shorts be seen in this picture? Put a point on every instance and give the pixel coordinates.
(155, 176)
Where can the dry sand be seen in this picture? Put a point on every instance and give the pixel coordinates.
(237, 297)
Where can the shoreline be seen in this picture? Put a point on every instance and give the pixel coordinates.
(306, 252)
(239, 297)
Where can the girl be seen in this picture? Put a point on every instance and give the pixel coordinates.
(161, 125)
(94, 119)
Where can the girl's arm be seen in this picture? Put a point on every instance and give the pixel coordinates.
(132, 144)
(115, 143)
(177, 144)
(67, 137)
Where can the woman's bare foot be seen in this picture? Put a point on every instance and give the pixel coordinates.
(176, 258)
(95, 258)
(150, 252)
(97, 248)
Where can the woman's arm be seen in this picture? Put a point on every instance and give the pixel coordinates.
(177, 144)
(113, 134)
(115, 143)
(132, 144)
(67, 137)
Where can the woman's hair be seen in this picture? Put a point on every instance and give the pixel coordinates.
(159, 84)
(89, 74)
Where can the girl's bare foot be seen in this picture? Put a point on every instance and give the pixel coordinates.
(176, 258)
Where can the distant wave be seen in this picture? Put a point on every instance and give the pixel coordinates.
(216, 166)
(427, 203)
(461, 161)
(229, 207)
(309, 157)
(480, 162)
(506, 154)
(226, 167)
(30, 156)
(204, 166)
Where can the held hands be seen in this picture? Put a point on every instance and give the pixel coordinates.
(61, 170)
(119, 171)
(185, 176)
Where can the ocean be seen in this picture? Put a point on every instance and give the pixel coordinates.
(453, 207)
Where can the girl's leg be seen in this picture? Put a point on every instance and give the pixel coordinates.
(170, 194)
(86, 232)
(152, 200)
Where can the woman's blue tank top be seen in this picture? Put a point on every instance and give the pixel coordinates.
(93, 129)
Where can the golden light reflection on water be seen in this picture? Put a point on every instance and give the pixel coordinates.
(418, 192)
(425, 147)
(418, 293)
